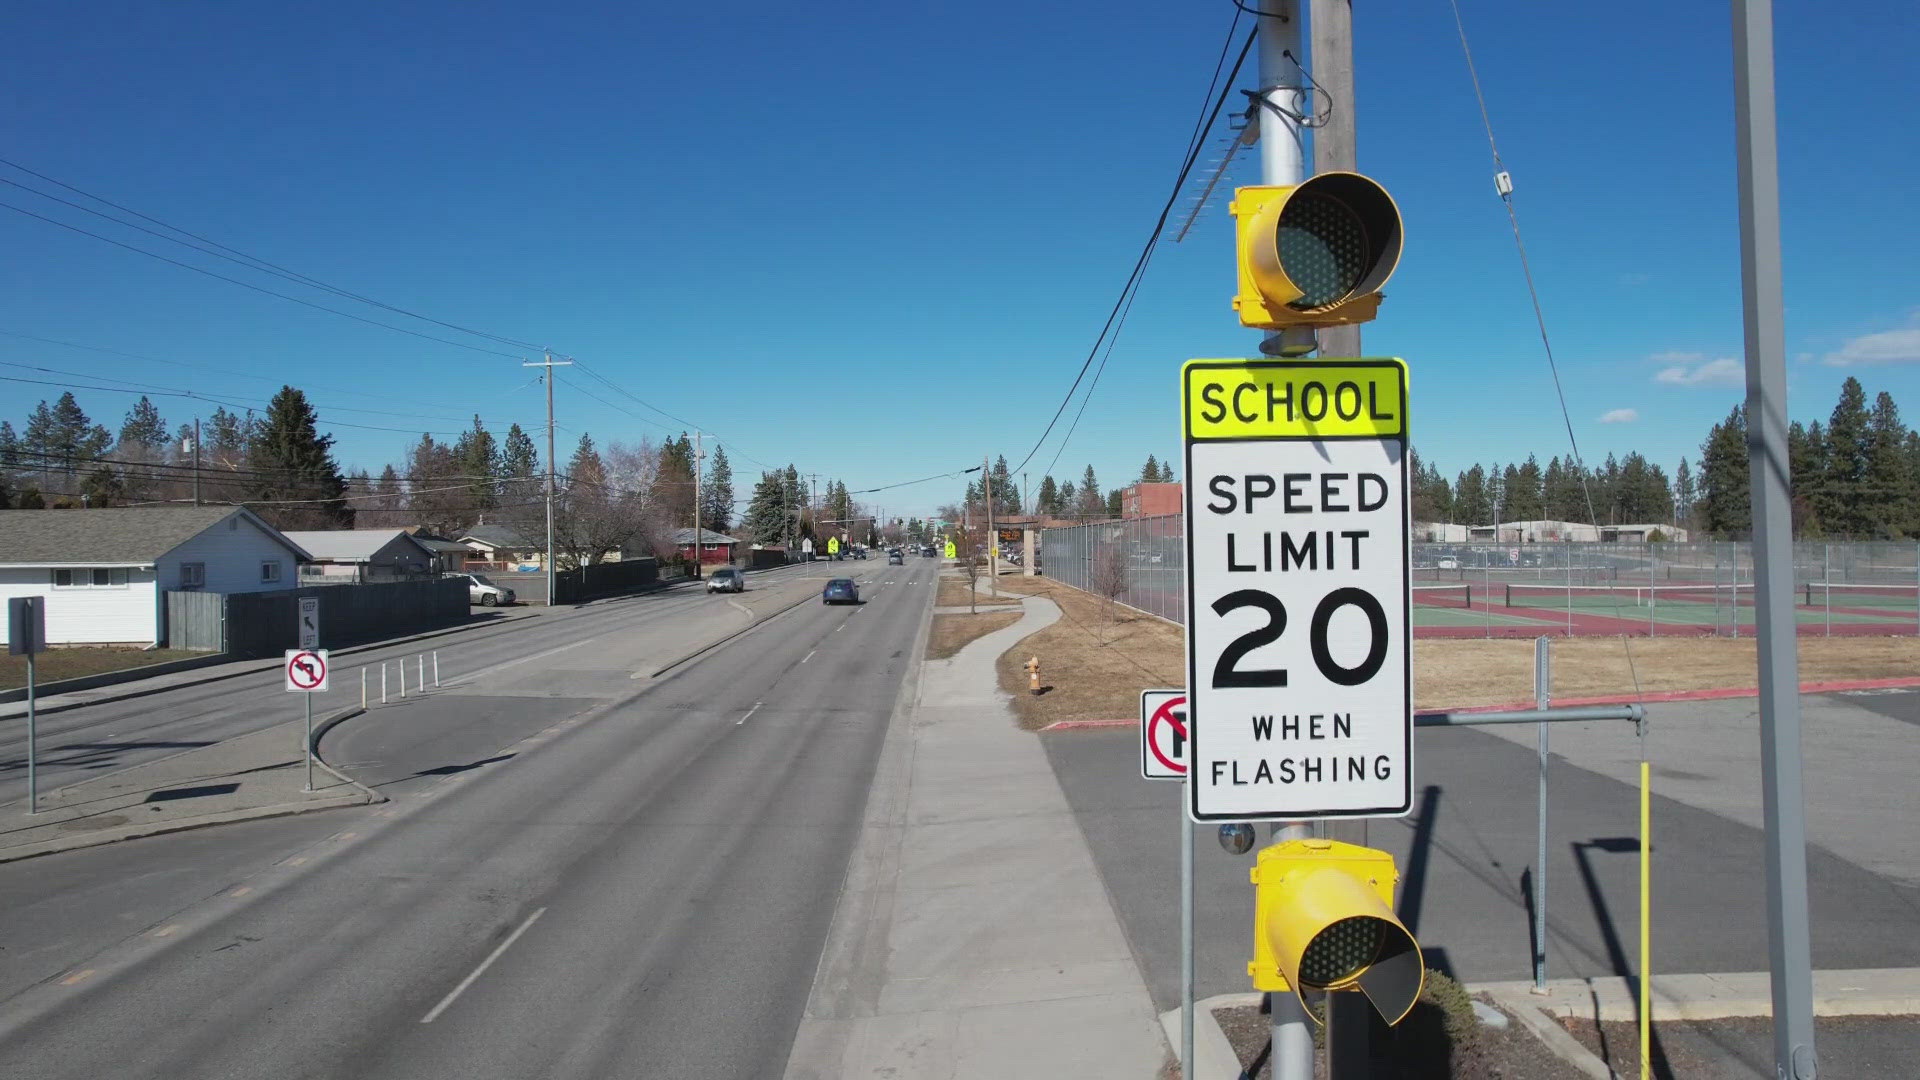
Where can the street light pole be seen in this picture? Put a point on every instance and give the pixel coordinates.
(546, 376)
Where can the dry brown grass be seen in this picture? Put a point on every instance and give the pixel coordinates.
(56, 664)
(953, 593)
(1096, 670)
(1097, 673)
(1455, 674)
(951, 633)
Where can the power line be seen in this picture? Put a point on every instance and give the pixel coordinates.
(252, 262)
(252, 286)
(190, 395)
(1146, 252)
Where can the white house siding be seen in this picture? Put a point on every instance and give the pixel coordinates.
(232, 552)
(121, 614)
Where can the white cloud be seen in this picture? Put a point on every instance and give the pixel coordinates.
(1620, 416)
(1885, 347)
(1695, 369)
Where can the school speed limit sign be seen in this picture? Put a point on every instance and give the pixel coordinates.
(1299, 652)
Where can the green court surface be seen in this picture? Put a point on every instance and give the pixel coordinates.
(1459, 616)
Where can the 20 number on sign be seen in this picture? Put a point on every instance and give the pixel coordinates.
(1299, 661)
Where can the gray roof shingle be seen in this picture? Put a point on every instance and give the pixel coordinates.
(129, 536)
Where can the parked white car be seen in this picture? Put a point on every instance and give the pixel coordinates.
(484, 592)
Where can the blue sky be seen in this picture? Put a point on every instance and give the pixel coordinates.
(876, 239)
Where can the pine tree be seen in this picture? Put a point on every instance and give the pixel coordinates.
(1683, 495)
(766, 520)
(1113, 503)
(1006, 495)
(1069, 502)
(1471, 506)
(1724, 507)
(1807, 467)
(1092, 504)
(63, 438)
(9, 446)
(716, 495)
(1150, 472)
(477, 458)
(143, 428)
(1525, 495)
(227, 438)
(1047, 502)
(518, 458)
(296, 463)
(672, 495)
(1843, 500)
(1889, 506)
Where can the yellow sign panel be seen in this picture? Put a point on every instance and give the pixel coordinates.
(1294, 399)
(833, 545)
(952, 552)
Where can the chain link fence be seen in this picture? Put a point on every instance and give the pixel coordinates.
(1509, 589)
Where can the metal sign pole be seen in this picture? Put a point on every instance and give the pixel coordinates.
(1186, 934)
(33, 779)
(308, 698)
(1542, 699)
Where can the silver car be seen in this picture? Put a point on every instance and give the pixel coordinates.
(485, 593)
(727, 579)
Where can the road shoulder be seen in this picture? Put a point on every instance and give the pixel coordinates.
(973, 937)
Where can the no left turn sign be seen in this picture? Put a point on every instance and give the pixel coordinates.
(1163, 734)
(306, 671)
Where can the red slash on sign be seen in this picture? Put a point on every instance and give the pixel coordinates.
(306, 670)
(1167, 735)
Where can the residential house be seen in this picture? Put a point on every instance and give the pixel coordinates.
(502, 547)
(714, 547)
(105, 573)
(350, 556)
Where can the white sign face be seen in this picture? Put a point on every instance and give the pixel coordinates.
(306, 671)
(1163, 734)
(309, 622)
(1299, 645)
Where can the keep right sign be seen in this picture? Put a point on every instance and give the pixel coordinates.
(1299, 651)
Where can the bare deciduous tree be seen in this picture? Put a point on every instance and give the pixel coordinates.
(1110, 578)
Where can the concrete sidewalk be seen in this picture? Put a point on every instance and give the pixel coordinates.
(261, 774)
(973, 937)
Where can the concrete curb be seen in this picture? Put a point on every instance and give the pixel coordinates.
(361, 796)
(254, 668)
(313, 747)
(1717, 995)
(1213, 1057)
(157, 828)
(1552, 1036)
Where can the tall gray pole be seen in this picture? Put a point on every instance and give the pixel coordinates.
(1336, 149)
(549, 363)
(1757, 155)
(196, 461)
(699, 455)
(1283, 161)
(993, 538)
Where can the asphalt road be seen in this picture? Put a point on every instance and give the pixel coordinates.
(80, 743)
(581, 873)
(1465, 859)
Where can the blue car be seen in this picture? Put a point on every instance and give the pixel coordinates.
(840, 591)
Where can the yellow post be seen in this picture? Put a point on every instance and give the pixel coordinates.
(1646, 921)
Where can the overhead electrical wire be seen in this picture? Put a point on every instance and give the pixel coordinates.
(1146, 252)
(252, 286)
(253, 261)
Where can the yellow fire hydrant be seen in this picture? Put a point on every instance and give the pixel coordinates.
(1033, 675)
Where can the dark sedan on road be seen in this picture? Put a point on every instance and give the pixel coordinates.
(840, 591)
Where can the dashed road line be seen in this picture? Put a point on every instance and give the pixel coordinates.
(455, 993)
(750, 712)
(810, 656)
(77, 977)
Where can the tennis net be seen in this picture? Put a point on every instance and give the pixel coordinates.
(1609, 597)
(1452, 596)
(1837, 594)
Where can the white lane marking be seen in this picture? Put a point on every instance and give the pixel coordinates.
(741, 608)
(484, 965)
(491, 668)
(750, 712)
(810, 656)
(843, 626)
